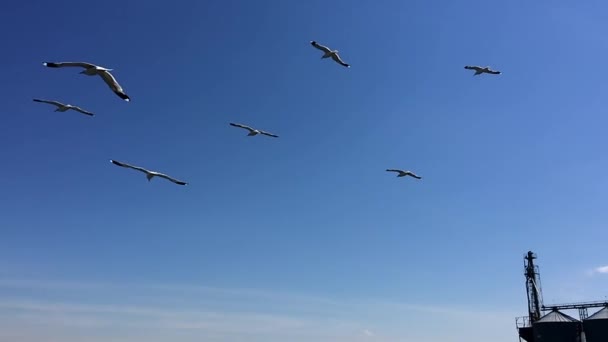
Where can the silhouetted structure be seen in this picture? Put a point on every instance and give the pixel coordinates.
(596, 326)
(555, 326)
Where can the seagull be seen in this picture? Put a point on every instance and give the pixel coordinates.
(64, 107)
(403, 173)
(329, 53)
(149, 174)
(92, 70)
(480, 70)
(253, 131)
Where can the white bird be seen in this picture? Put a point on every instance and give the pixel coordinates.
(329, 53)
(64, 107)
(149, 174)
(403, 173)
(253, 131)
(92, 70)
(481, 70)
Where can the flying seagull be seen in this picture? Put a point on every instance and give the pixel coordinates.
(403, 173)
(64, 107)
(329, 53)
(253, 131)
(481, 70)
(92, 70)
(149, 174)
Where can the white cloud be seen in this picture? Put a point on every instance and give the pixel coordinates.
(602, 269)
(90, 312)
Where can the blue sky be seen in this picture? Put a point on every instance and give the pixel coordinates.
(304, 237)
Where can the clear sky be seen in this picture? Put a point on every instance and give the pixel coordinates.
(304, 237)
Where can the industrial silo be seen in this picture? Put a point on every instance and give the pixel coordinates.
(596, 326)
(557, 327)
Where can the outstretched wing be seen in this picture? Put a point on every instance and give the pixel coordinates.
(176, 181)
(320, 47)
(115, 162)
(56, 103)
(493, 72)
(339, 60)
(411, 174)
(478, 70)
(242, 126)
(78, 109)
(69, 64)
(269, 134)
(113, 84)
(394, 170)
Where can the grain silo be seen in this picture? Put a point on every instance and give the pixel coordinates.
(557, 327)
(596, 326)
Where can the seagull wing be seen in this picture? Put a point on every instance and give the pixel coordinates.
(176, 181)
(411, 174)
(69, 64)
(493, 72)
(394, 170)
(269, 134)
(478, 70)
(115, 162)
(242, 126)
(56, 103)
(339, 60)
(113, 84)
(320, 47)
(78, 109)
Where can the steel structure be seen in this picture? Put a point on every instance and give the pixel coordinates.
(533, 288)
(536, 308)
(581, 307)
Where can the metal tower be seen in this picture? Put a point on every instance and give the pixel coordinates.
(533, 287)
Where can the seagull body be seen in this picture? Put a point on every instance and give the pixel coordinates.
(149, 174)
(94, 70)
(403, 173)
(64, 107)
(329, 53)
(253, 131)
(481, 70)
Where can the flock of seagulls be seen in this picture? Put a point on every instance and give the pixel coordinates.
(110, 80)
